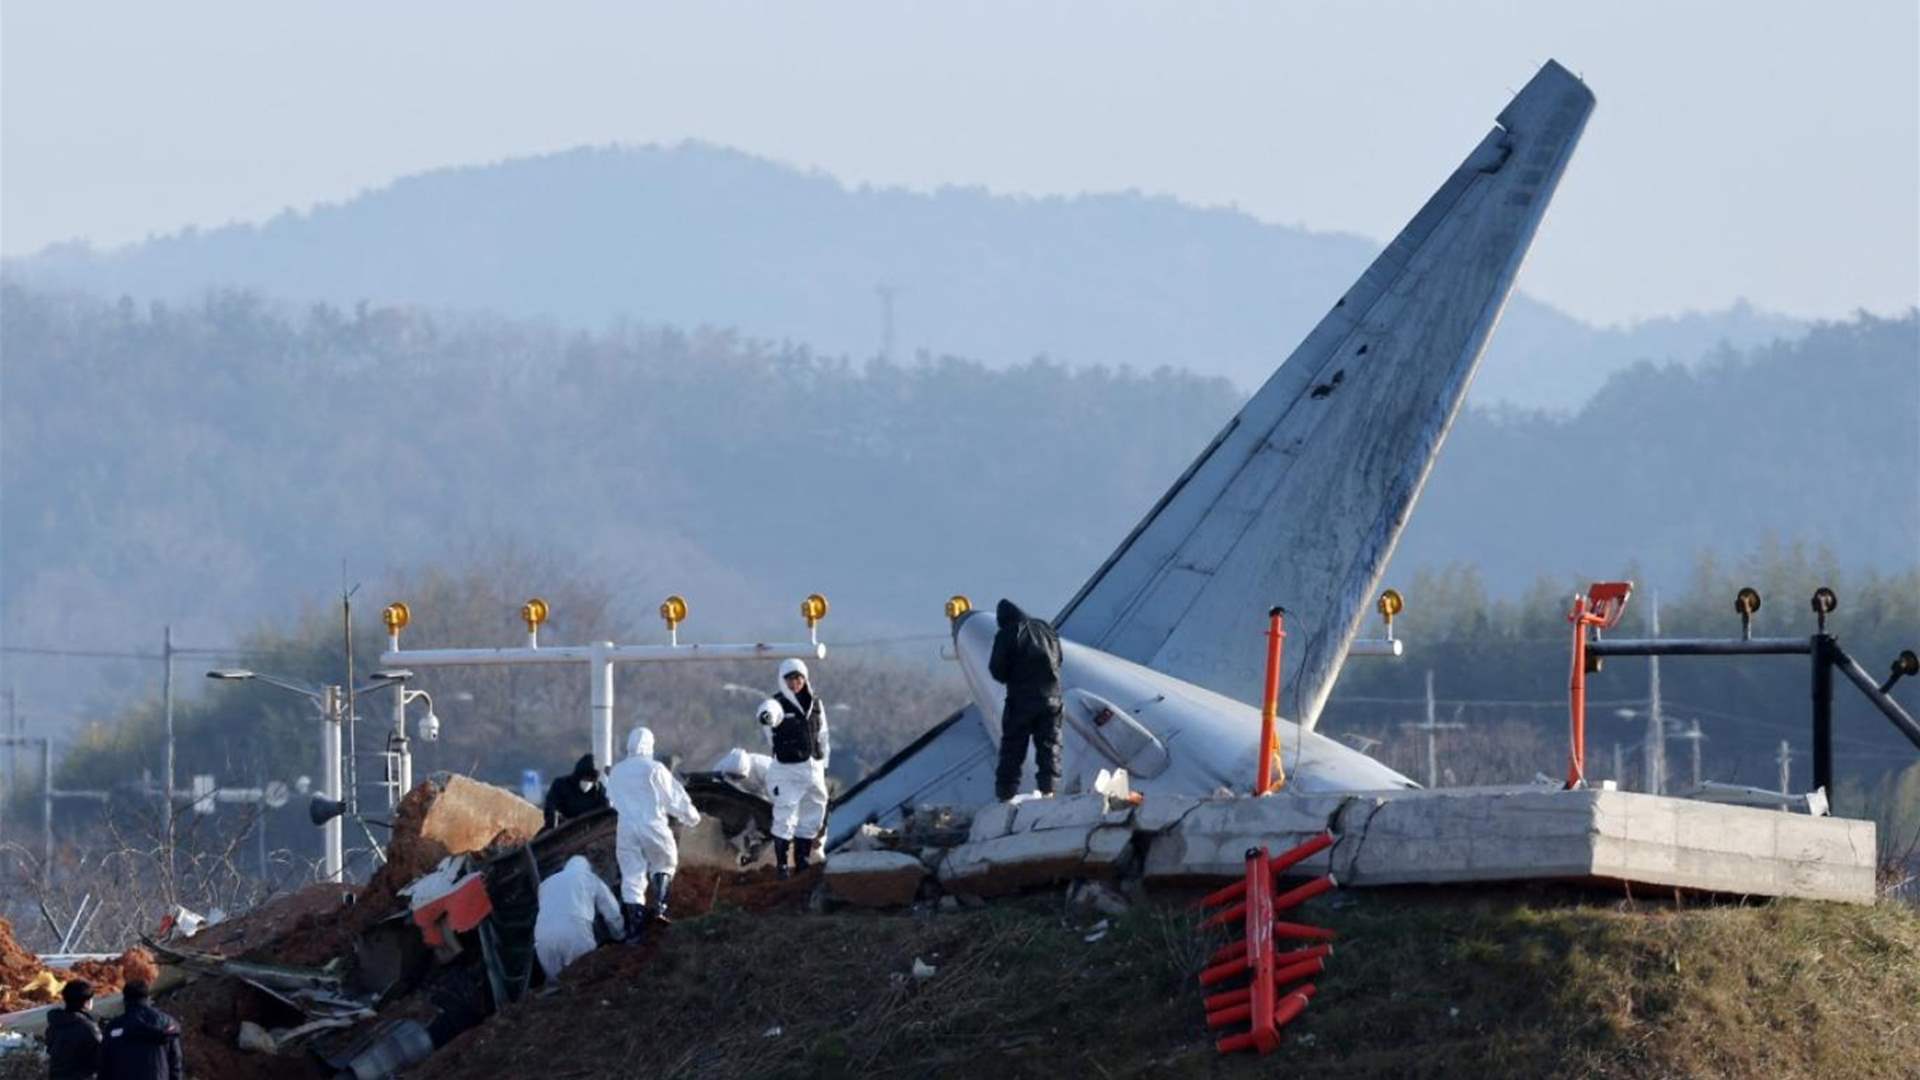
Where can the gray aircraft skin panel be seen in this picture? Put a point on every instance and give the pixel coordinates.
(1301, 497)
(1300, 500)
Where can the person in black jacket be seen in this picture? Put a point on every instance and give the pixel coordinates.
(580, 792)
(143, 1044)
(73, 1035)
(1026, 659)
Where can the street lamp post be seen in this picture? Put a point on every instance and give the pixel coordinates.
(332, 702)
(399, 747)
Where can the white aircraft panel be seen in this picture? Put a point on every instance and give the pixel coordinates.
(1300, 500)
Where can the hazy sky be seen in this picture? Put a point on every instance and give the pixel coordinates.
(1752, 149)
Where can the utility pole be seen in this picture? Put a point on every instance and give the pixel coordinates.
(332, 705)
(1694, 735)
(13, 742)
(166, 694)
(1619, 766)
(46, 811)
(1785, 760)
(1430, 727)
(1656, 728)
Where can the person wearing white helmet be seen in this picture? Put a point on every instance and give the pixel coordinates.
(644, 794)
(796, 724)
(569, 900)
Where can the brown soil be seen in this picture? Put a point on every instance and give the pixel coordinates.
(700, 889)
(321, 932)
(210, 1012)
(107, 976)
(19, 967)
(268, 925)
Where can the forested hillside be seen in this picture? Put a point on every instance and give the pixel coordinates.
(216, 464)
(695, 235)
(205, 462)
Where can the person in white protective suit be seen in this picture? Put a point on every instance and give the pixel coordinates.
(563, 930)
(796, 724)
(644, 794)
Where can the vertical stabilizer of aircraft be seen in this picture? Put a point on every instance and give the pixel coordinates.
(1301, 497)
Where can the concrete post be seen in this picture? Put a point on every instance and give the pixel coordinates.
(1433, 777)
(602, 704)
(46, 812)
(333, 855)
(399, 747)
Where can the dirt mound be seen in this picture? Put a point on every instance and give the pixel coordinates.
(320, 931)
(18, 967)
(700, 889)
(210, 1013)
(1428, 983)
(269, 924)
(107, 976)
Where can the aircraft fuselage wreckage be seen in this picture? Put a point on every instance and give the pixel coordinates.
(1298, 501)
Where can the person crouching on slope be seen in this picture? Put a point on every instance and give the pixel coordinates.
(569, 900)
(644, 793)
(796, 724)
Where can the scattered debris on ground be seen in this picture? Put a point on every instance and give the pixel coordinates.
(891, 953)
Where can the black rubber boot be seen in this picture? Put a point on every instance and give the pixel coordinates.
(662, 885)
(802, 855)
(635, 920)
(780, 858)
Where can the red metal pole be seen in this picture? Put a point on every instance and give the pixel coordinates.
(1228, 998)
(1264, 780)
(1296, 956)
(1288, 1010)
(1292, 1006)
(1295, 972)
(1301, 894)
(1228, 895)
(1577, 695)
(1260, 911)
(1294, 931)
(1222, 918)
(1284, 862)
(1232, 1014)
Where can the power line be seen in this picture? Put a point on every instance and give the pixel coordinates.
(103, 654)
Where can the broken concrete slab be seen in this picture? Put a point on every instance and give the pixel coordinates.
(1067, 812)
(1209, 838)
(1161, 812)
(1527, 834)
(875, 879)
(467, 815)
(1023, 859)
(990, 821)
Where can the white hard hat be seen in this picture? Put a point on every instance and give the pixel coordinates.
(769, 712)
(792, 665)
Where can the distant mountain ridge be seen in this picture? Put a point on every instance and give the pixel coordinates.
(695, 235)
